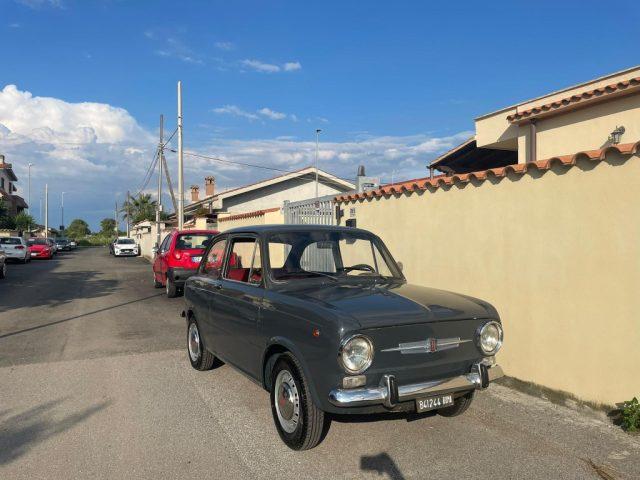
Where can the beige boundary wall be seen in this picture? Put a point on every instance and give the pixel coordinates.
(557, 252)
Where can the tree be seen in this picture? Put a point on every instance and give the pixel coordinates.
(24, 221)
(78, 229)
(139, 209)
(6, 221)
(108, 226)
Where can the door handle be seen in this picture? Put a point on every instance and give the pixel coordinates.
(217, 286)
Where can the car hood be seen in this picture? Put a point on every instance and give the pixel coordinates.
(380, 305)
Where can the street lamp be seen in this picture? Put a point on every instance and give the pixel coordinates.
(29, 195)
(317, 150)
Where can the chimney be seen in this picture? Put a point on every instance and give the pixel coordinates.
(209, 186)
(195, 193)
(1, 159)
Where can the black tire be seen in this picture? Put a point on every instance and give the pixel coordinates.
(205, 360)
(311, 421)
(3, 271)
(172, 290)
(459, 407)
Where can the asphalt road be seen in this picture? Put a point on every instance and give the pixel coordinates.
(95, 383)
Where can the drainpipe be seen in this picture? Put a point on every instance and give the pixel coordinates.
(532, 140)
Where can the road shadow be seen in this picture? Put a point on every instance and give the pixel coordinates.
(382, 464)
(76, 317)
(22, 431)
(60, 287)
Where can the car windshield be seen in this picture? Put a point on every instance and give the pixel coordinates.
(335, 254)
(195, 241)
(38, 241)
(126, 241)
(10, 241)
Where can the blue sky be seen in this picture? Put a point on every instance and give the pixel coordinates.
(391, 84)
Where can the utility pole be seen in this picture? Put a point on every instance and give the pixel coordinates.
(317, 151)
(159, 204)
(62, 212)
(46, 210)
(128, 213)
(180, 162)
(115, 217)
(29, 195)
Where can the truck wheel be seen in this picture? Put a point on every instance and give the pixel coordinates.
(459, 406)
(172, 290)
(299, 422)
(200, 358)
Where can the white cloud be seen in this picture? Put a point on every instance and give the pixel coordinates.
(226, 46)
(235, 111)
(405, 156)
(34, 4)
(265, 112)
(89, 149)
(263, 67)
(14, 25)
(291, 66)
(272, 114)
(176, 48)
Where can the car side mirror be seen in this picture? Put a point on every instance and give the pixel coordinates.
(400, 266)
(213, 272)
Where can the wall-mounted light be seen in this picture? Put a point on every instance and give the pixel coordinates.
(614, 137)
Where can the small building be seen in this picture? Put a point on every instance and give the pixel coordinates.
(263, 195)
(13, 203)
(589, 117)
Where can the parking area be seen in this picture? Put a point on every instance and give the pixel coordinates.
(95, 383)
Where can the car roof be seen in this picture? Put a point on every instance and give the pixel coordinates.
(260, 229)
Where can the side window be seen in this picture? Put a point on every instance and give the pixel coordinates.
(164, 246)
(245, 263)
(215, 256)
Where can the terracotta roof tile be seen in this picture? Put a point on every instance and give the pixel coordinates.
(257, 213)
(519, 169)
(629, 86)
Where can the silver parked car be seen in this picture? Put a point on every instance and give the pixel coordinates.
(15, 248)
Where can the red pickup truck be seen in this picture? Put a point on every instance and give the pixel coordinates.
(178, 258)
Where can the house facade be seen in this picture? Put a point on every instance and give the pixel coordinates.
(266, 194)
(593, 115)
(13, 203)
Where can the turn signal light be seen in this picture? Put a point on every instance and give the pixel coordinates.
(353, 382)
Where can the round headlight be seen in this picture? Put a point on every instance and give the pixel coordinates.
(356, 354)
(490, 338)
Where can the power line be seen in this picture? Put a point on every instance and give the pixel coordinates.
(222, 160)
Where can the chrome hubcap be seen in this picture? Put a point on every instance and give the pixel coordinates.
(194, 342)
(287, 401)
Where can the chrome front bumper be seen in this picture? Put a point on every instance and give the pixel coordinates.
(388, 393)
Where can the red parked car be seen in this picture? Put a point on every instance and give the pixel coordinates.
(40, 248)
(178, 258)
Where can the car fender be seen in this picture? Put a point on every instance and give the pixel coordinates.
(295, 351)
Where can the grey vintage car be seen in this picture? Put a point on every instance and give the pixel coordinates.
(323, 318)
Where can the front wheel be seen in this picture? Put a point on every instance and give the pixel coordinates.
(459, 406)
(299, 422)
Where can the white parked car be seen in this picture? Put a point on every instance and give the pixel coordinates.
(125, 246)
(15, 248)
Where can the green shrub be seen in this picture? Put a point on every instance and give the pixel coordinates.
(631, 415)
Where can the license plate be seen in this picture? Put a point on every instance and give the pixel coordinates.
(196, 259)
(433, 403)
